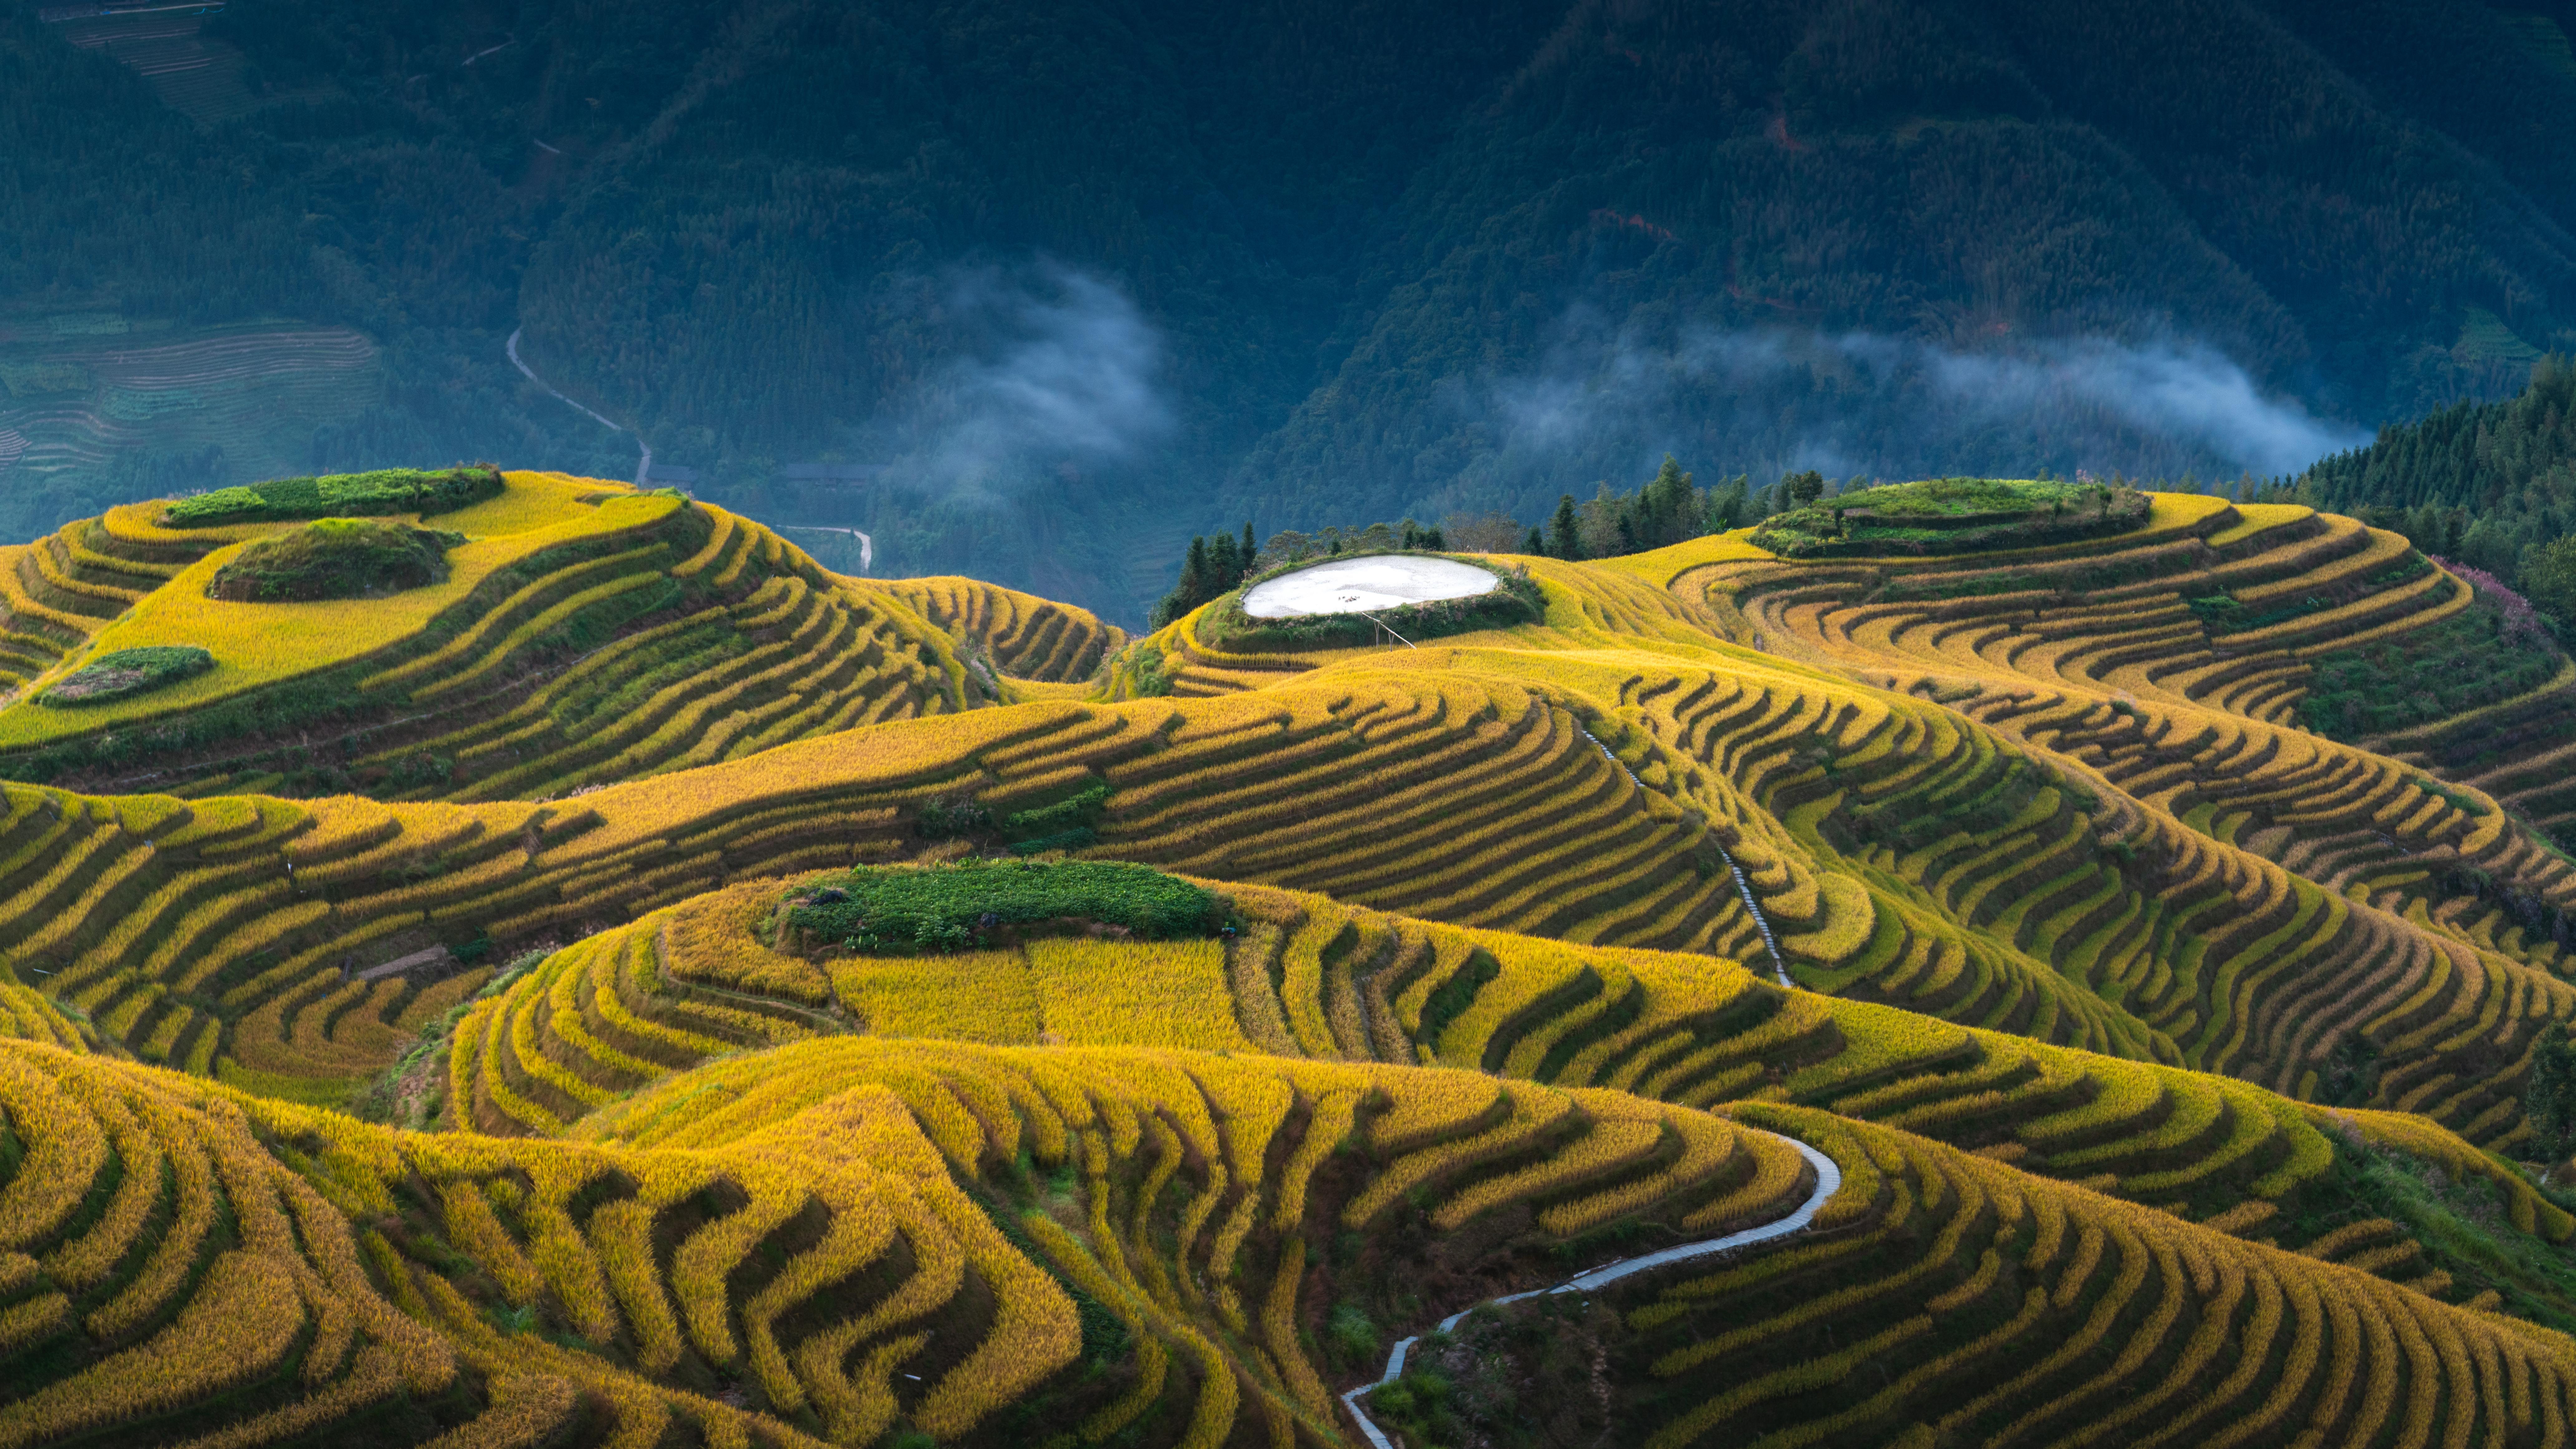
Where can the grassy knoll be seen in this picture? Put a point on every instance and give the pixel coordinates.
(1951, 515)
(258, 644)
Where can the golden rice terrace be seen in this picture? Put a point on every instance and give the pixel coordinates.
(1938, 975)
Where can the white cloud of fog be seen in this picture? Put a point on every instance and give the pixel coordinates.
(1055, 366)
(2192, 393)
(1865, 402)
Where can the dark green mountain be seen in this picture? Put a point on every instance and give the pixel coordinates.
(1038, 291)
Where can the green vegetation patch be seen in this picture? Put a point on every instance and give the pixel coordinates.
(2224, 614)
(1952, 515)
(335, 558)
(1067, 824)
(345, 495)
(2464, 1223)
(2491, 651)
(127, 672)
(906, 910)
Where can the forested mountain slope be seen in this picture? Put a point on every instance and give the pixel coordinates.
(2483, 481)
(1008, 286)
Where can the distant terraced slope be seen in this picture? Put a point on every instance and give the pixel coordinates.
(588, 633)
(79, 390)
(2100, 655)
(1028, 638)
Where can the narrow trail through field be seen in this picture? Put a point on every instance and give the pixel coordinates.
(1829, 1180)
(1743, 887)
(867, 545)
(643, 468)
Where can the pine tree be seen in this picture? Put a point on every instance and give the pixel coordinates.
(2549, 580)
(1191, 590)
(1536, 543)
(1248, 550)
(1664, 507)
(1565, 531)
(1728, 507)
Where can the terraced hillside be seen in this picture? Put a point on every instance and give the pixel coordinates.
(2033, 986)
(81, 389)
(1025, 637)
(1309, 978)
(586, 632)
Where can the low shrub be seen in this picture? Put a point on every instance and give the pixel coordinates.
(904, 910)
(335, 558)
(343, 495)
(1067, 824)
(127, 672)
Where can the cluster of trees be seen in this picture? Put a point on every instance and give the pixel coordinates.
(2549, 1102)
(1667, 509)
(1208, 571)
(2491, 485)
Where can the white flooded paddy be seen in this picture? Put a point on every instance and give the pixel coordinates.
(1363, 585)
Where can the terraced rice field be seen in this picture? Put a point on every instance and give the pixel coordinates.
(1310, 978)
(587, 633)
(2175, 1065)
(1027, 637)
(978, 1241)
(80, 398)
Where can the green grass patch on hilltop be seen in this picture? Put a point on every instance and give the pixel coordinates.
(902, 910)
(345, 495)
(127, 672)
(1952, 515)
(335, 558)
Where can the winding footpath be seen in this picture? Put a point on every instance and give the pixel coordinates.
(1743, 887)
(1829, 1180)
(867, 545)
(644, 468)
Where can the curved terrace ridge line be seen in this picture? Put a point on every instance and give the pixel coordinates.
(1829, 1180)
(644, 467)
